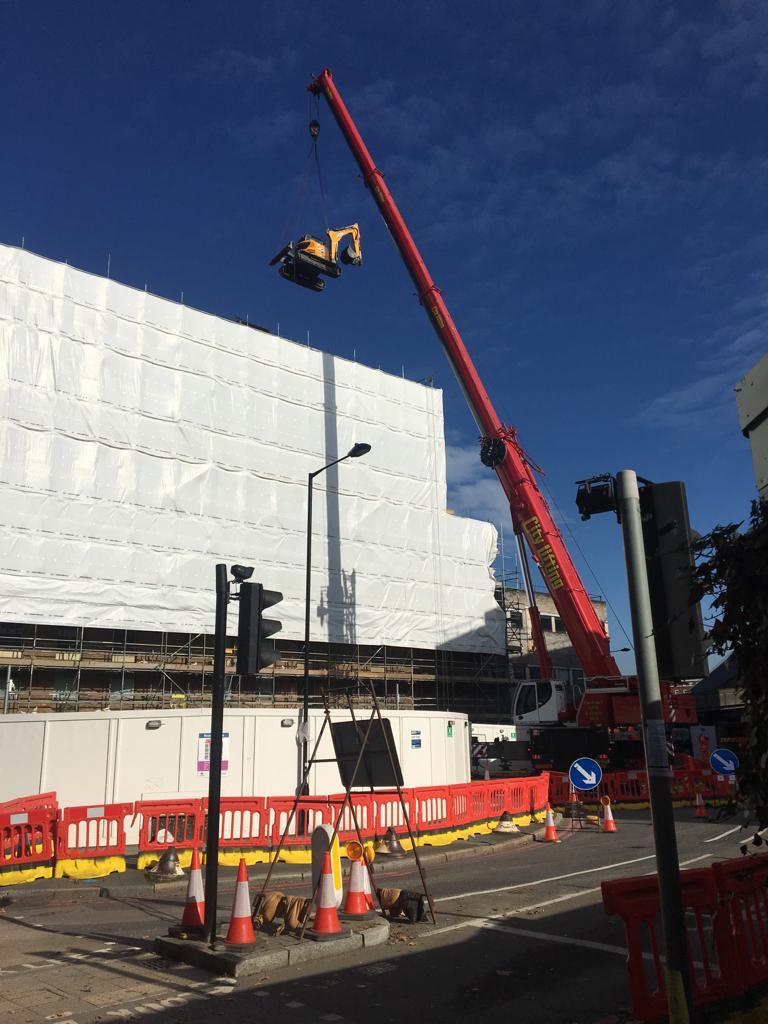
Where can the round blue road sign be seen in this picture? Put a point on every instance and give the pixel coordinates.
(585, 773)
(723, 761)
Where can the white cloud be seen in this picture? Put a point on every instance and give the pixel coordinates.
(474, 490)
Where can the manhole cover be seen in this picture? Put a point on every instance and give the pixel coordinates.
(156, 963)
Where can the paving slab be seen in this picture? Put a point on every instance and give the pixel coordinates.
(269, 952)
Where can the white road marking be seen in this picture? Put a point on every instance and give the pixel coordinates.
(723, 835)
(604, 947)
(544, 881)
(478, 922)
(558, 878)
(528, 933)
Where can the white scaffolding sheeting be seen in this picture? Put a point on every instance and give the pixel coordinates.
(144, 441)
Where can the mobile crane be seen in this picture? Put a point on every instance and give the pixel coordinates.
(500, 450)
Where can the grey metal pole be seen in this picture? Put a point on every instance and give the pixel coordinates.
(307, 597)
(656, 754)
(7, 696)
(214, 773)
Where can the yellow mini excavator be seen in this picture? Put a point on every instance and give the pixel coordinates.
(304, 261)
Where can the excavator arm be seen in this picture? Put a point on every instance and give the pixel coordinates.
(352, 254)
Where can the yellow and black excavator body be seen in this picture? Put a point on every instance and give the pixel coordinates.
(304, 261)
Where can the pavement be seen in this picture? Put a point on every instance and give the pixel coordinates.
(520, 932)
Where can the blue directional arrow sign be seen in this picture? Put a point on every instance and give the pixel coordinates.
(723, 761)
(585, 773)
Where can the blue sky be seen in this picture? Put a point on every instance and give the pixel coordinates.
(587, 183)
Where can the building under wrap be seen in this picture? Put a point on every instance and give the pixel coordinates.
(144, 441)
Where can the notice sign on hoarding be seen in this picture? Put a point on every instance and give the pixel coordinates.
(415, 739)
(204, 753)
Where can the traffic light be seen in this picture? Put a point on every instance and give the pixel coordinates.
(677, 623)
(254, 650)
(596, 495)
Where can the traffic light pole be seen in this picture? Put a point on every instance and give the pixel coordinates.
(656, 754)
(214, 772)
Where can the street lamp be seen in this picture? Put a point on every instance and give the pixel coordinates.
(354, 453)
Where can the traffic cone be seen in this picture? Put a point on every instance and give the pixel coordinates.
(326, 923)
(194, 905)
(241, 931)
(355, 903)
(550, 833)
(367, 890)
(701, 810)
(609, 825)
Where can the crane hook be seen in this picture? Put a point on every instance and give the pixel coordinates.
(314, 128)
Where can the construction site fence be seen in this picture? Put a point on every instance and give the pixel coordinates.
(726, 909)
(40, 838)
(632, 787)
(267, 822)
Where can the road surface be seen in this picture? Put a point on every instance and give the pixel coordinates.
(520, 934)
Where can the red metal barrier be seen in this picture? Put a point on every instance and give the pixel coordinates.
(636, 901)
(743, 894)
(95, 831)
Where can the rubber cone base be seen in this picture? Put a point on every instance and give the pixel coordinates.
(369, 915)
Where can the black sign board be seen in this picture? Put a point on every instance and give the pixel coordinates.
(377, 768)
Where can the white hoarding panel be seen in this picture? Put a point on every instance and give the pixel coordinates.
(143, 441)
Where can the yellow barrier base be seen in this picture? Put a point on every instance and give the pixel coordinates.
(19, 876)
(89, 867)
(292, 855)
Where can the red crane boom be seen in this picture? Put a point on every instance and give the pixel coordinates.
(501, 450)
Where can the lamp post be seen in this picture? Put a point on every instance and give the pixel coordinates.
(354, 453)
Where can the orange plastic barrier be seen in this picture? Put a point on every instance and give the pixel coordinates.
(433, 809)
(632, 787)
(626, 787)
(27, 839)
(311, 812)
(89, 839)
(168, 823)
(727, 917)
(242, 821)
(559, 788)
(29, 803)
(742, 885)
(364, 812)
(95, 831)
